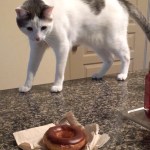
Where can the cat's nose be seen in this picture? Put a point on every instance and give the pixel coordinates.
(37, 39)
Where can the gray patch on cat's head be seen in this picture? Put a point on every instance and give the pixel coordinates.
(34, 18)
(95, 5)
(33, 8)
(22, 22)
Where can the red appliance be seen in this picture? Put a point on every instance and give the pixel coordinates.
(147, 94)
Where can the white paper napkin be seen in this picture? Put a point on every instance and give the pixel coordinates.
(31, 139)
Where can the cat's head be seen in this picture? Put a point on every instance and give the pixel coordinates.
(34, 18)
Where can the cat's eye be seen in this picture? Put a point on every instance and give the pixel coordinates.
(43, 28)
(29, 28)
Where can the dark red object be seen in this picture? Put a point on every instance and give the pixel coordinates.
(147, 94)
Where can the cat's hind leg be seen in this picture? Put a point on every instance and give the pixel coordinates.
(107, 59)
(36, 53)
(125, 62)
(123, 53)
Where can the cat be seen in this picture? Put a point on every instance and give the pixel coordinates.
(63, 24)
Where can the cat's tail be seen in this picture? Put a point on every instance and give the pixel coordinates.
(138, 17)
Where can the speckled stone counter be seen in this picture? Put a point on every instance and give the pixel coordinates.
(91, 101)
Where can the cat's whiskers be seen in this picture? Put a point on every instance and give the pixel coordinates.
(46, 42)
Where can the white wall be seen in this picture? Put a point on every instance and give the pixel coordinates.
(14, 51)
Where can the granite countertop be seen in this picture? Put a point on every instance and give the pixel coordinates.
(91, 101)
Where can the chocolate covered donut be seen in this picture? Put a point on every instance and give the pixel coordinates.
(64, 137)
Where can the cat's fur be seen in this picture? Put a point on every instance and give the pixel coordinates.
(62, 24)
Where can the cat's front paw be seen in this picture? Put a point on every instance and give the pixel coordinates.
(24, 89)
(56, 88)
(121, 77)
(97, 76)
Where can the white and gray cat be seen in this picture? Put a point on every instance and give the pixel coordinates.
(62, 24)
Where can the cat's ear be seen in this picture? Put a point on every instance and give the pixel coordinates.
(47, 11)
(21, 12)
